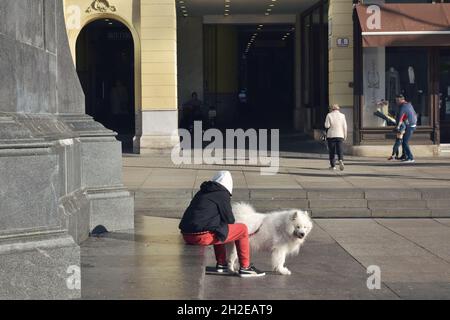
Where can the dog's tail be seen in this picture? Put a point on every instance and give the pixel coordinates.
(242, 208)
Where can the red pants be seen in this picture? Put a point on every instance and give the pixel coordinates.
(237, 232)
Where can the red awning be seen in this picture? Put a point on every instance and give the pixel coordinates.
(405, 24)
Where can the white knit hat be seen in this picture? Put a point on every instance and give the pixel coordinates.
(224, 178)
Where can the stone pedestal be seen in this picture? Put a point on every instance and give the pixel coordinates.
(159, 131)
(60, 171)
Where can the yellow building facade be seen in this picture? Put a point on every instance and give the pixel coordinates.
(288, 59)
(152, 24)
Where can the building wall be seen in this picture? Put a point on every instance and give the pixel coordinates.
(153, 26)
(159, 74)
(190, 58)
(341, 59)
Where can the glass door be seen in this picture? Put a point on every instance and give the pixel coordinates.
(444, 95)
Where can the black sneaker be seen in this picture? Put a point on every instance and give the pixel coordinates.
(250, 272)
(221, 268)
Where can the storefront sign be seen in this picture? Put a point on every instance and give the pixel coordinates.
(374, 17)
(398, 24)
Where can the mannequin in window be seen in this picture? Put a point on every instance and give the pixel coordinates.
(373, 77)
(411, 87)
(392, 84)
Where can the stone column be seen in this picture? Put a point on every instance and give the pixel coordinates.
(341, 59)
(60, 171)
(299, 111)
(190, 58)
(159, 76)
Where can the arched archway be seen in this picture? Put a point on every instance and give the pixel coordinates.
(105, 66)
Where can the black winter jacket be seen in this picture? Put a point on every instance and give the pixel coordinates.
(209, 210)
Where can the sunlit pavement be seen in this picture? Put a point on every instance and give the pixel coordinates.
(413, 257)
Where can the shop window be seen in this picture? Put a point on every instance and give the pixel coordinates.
(389, 72)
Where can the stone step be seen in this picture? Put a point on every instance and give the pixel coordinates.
(162, 193)
(271, 205)
(310, 194)
(337, 203)
(341, 213)
(394, 204)
(277, 194)
(328, 203)
(444, 150)
(440, 213)
(435, 193)
(331, 194)
(392, 194)
(402, 213)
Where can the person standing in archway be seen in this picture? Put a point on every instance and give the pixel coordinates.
(192, 111)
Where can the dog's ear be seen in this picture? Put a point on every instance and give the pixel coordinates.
(294, 216)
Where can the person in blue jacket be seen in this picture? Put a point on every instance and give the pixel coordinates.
(408, 116)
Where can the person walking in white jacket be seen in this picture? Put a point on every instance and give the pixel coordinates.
(336, 126)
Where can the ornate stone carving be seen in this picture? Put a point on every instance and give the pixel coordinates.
(100, 6)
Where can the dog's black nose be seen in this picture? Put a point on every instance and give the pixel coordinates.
(301, 234)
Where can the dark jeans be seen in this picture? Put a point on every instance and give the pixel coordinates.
(405, 145)
(395, 149)
(335, 147)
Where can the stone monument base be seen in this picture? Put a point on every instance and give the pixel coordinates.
(40, 267)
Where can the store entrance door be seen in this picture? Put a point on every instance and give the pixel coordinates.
(444, 93)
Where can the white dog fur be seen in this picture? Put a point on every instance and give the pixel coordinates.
(280, 232)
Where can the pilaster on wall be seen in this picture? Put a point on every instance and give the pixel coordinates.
(159, 74)
(341, 58)
(299, 111)
(190, 58)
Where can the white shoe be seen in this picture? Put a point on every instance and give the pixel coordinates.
(410, 161)
(332, 168)
(341, 165)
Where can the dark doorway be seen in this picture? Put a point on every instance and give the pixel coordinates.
(249, 75)
(444, 93)
(267, 68)
(105, 66)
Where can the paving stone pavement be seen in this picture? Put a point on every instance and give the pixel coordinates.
(369, 187)
(150, 263)
(413, 254)
(153, 263)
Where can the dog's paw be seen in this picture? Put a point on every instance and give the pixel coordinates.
(284, 271)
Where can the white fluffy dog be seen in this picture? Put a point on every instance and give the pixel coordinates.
(279, 232)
